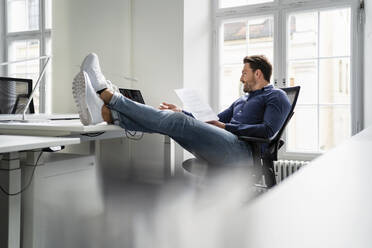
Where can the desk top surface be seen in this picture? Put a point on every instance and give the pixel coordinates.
(14, 143)
(326, 204)
(54, 127)
(58, 125)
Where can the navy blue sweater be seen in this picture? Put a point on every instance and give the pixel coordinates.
(258, 114)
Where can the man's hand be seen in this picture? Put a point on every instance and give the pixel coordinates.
(169, 106)
(217, 124)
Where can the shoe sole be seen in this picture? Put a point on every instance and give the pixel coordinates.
(79, 94)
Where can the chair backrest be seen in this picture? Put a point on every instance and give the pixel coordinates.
(14, 94)
(292, 93)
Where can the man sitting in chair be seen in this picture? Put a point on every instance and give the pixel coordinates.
(260, 113)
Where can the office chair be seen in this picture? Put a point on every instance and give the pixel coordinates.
(263, 161)
(14, 93)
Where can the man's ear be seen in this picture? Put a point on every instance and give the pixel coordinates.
(258, 73)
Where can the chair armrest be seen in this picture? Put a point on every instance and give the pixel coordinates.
(254, 139)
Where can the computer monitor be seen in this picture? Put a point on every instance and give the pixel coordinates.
(14, 94)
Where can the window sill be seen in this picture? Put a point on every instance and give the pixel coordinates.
(306, 156)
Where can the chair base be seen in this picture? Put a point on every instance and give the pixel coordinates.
(262, 179)
(195, 167)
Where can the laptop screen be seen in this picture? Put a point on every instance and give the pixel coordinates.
(14, 93)
(134, 95)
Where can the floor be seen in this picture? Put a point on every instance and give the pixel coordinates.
(179, 213)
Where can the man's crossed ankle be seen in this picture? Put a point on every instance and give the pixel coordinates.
(106, 114)
(105, 95)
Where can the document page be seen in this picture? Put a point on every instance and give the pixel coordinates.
(194, 104)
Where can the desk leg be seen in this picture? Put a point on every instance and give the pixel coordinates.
(27, 199)
(10, 206)
(169, 157)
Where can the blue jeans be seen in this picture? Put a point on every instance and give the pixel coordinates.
(213, 144)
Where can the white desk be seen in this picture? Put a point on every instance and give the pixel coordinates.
(15, 143)
(326, 204)
(62, 128)
(67, 126)
(74, 128)
(10, 206)
(54, 128)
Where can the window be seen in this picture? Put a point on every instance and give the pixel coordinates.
(250, 36)
(319, 61)
(27, 25)
(312, 44)
(235, 3)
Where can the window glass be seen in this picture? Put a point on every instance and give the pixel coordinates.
(230, 88)
(334, 81)
(334, 125)
(25, 49)
(242, 38)
(303, 35)
(304, 73)
(319, 61)
(235, 3)
(235, 42)
(316, 56)
(23, 15)
(305, 118)
(335, 33)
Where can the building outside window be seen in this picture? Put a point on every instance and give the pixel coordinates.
(311, 44)
(27, 27)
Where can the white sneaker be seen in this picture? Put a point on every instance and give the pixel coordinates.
(91, 66)
(112, 87)
(88, 103)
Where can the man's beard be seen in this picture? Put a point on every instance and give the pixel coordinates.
(249, 88)
(246, 88)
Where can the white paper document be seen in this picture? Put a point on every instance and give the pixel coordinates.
(194, 104)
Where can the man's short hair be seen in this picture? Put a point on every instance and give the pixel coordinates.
(260, 62)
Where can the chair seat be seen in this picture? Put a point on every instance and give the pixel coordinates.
(198, 170)
(195, 166)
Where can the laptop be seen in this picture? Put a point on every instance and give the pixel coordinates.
(14, 95)
(134, 95)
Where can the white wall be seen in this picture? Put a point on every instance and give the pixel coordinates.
(84, 26)
(368, 65)
(164, 43)
(80, 27)
(197, 63)
(157, 48)
(158, 64)
(171, 49)
(197, 46)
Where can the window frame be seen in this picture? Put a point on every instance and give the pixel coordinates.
(243, 8)
(281, 9)
(42, 34)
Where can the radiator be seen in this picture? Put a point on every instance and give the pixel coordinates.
(285, 168)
